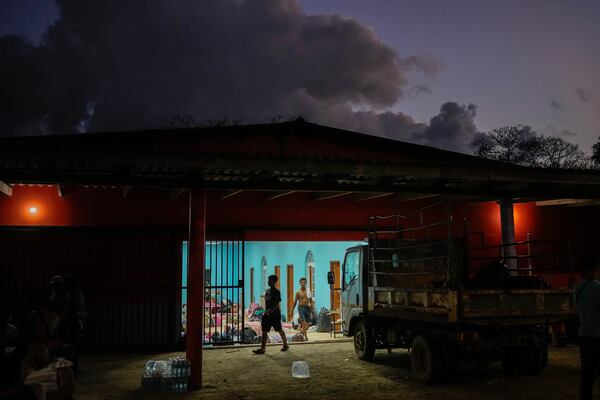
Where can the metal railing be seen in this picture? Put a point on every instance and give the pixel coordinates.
(405, 244)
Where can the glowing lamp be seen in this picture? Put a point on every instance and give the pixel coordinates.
(33, 210)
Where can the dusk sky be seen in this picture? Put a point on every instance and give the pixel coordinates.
(518, 62)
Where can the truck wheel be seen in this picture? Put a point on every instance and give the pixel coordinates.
(427, 360)
(364, 344)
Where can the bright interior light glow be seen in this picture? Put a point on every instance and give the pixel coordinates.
(33, 210)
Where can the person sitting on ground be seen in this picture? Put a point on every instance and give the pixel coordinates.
(50, 379)
(271, 318)
(305, 305)
(43, 322)
(587, 302)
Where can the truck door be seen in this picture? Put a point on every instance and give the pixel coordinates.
(351, 286)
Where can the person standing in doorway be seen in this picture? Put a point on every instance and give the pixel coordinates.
(304, 299)
(271, 318)
(587, 301)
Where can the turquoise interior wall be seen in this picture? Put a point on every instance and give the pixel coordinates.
(282, 254)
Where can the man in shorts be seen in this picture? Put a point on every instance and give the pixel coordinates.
(271, 318)
(304, 299)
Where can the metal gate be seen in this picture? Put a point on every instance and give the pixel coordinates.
(224, 290)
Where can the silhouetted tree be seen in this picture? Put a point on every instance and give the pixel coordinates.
(595, 158)
(521, 145)
(180, 121)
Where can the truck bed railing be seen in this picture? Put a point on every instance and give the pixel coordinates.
(420, 242)
(544, 256)
(415, 244)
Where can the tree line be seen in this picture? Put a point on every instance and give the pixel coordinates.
(521, 145)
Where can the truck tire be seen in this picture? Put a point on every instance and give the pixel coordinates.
(364, 343)
(427, 360)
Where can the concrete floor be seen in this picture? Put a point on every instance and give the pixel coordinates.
(236, 373)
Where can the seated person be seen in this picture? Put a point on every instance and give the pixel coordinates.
(50, 379)
(44, 325)
(43, 322)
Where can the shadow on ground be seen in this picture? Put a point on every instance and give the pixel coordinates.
(335, 374)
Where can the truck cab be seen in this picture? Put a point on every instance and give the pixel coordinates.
(352, 295)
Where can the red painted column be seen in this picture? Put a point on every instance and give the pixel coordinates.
(195, 294)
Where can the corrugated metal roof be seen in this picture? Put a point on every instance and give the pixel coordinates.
(285, 156)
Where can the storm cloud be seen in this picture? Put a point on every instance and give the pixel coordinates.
(110, 64)
(452, 129)
(113, 65)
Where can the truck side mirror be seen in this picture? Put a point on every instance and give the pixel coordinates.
(330, 278)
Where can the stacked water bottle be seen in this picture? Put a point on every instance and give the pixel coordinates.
(166, 376)
(179, 376)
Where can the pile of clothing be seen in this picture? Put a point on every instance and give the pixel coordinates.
(254, 312)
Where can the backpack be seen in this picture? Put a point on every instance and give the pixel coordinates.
(324, 321)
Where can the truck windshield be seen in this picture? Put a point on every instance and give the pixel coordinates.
(351, 267)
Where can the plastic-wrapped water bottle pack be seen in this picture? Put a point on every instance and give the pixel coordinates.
(166, 376)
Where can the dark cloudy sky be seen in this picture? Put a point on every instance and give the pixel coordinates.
(430, 71)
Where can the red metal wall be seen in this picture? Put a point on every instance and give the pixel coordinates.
(126, 251)
(129, 277)
(294, 217)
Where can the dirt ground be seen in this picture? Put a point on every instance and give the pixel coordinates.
(236, 373)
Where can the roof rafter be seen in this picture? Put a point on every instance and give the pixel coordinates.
(173, 194)
(332, 196)
(231, 193)
(372, 196)
(5, 188)
(281, 194)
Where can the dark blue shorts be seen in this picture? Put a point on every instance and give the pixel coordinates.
(305, 314)
(269, 321)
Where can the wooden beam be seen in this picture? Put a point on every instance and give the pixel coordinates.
(372, 196)
(5, 188)
(231, 193)
(562, 202)
(332, 195)
(173, 194)
(414, 196)
(586, 203)
(281, 194)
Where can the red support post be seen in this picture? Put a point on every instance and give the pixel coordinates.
(195, 294)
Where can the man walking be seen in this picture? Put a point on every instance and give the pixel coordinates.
(587, 301)
(271, 318)
(305, 304)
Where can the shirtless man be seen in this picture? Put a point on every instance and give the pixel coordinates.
(304, 299)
